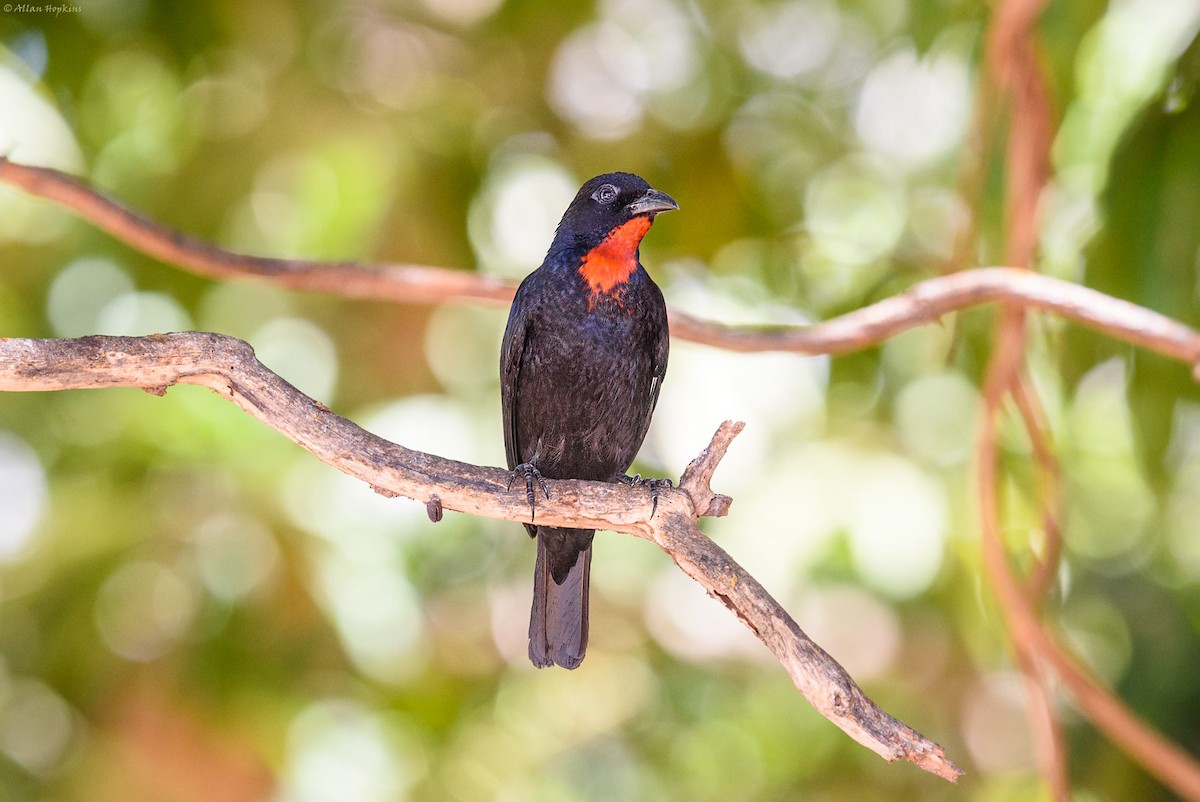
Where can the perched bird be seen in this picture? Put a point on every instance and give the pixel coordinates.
(584, 356)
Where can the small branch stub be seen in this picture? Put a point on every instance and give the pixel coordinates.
(433, 508)
(696, 480)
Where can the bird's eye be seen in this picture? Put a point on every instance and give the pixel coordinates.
(605, 194)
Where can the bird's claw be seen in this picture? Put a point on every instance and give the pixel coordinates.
(531, 473)
(652, 484)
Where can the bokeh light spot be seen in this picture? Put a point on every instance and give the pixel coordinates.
(688, 623)
(869, 648)
(463, 12)
(22, 495)
(937, 217)
(241, 308)
(790, 39)
(234, 555)
(142, 609)
(339, 750)
(914, 110)
(512, 221)
(299, 351)
(31, 132)
(1110, 505)
(897, 527)
(81, 291)
(590, 81)
(604, 74)
(461, 348)
(995, 725)
(936, 417)
(1098, 632)
(855, 210)
(135, 314)
(376, 611)
(36, 726)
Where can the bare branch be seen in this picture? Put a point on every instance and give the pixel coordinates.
(228, 367)
(1004, 372)
(697, 476)
(404, 283)
(1048, 487)
(1014, 69)
(1046, 727)
(819, 677)
(923, 303)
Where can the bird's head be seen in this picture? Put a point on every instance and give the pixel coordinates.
(605, 223)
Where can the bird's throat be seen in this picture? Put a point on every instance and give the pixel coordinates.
(612, 262)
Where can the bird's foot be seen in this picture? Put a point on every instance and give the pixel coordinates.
(652, 484)
(531, 473)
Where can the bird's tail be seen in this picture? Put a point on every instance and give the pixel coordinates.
(558, 622)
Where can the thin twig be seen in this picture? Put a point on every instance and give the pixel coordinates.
(1017, 77)
(228, 367)
(1013, 67)
(1048, 484)
(1004, 372)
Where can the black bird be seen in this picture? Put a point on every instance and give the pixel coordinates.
(584, 356)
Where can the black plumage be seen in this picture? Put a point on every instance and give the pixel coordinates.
(584, 355)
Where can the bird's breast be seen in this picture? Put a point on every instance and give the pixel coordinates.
(610, 264)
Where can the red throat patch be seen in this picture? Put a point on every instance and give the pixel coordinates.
(612, 261)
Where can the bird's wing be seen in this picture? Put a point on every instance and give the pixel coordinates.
(661, 346)
(511, 352)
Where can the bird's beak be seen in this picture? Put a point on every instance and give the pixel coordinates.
(653, 202)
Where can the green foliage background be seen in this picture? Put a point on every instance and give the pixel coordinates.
(190, 608)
